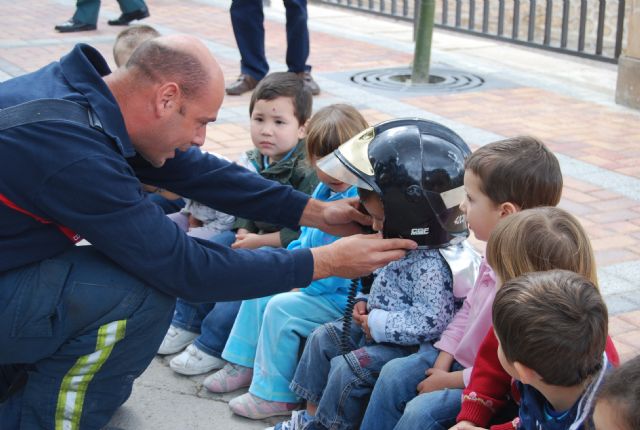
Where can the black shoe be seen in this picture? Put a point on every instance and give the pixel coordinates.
(73, 26)
(126, 18)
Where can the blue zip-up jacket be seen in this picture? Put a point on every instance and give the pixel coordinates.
(90, 182)
(334, 288)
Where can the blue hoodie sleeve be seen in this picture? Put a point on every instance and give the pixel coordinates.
(100, 198)
(225, 186)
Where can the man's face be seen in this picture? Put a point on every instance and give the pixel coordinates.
(184, 126)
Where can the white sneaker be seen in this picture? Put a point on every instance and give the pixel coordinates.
(193, 361)
(175, 340)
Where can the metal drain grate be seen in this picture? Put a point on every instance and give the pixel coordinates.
(441, 80)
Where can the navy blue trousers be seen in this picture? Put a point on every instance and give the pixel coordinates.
(247, 19)
(82, 330)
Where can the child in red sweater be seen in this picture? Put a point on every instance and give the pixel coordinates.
(532, 240)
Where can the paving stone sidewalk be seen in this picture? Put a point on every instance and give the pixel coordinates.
(567, 102)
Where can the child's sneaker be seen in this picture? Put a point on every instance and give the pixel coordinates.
(193, 361)
(250, 406)
(230, 378)
(176, 340)
(298, 421)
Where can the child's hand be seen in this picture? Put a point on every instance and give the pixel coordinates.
(466, 425)
(242, 231)
(359, 309)
(364, 323)
(436, 379)
(247, 241)
(194, 222)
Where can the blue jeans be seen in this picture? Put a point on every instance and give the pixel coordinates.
(396, 387)
(83, 329)
(168, 206)
(247, 19)
(212, 320)
(340, 384)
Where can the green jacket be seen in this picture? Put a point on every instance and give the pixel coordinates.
(294, 171)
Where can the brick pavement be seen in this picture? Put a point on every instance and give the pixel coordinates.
(566, 102)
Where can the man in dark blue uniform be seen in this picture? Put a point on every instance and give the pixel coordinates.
(80, 323)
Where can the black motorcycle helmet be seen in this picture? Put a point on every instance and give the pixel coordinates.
(417, 168)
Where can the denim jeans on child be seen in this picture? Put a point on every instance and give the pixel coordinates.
(340, 384)
(394, 405)
(212, 320)
(267, 336)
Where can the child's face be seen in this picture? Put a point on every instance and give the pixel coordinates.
(506, 365)
(373, 205)
(335, 185)
(274, 127)
(481, 212)
(607, 417)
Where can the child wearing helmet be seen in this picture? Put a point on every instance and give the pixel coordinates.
(409, 174)
(501, 178)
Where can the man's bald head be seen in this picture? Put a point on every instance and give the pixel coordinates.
(179, 58)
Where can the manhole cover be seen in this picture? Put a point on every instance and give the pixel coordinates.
(441, 80)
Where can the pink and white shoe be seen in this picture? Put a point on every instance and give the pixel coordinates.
(230, 378)
(255, 408)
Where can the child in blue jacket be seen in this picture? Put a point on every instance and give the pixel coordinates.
(262, 350)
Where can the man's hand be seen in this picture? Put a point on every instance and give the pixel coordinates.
(339, 218)
(466, 425)
(356, 256)
(436, 380)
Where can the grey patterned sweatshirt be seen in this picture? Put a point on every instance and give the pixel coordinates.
(411, 300)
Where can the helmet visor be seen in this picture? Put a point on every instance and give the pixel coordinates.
(333, 166)
(350, 162)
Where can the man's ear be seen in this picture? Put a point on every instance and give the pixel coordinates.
(508, 208)
(526, 374)
(167, 98)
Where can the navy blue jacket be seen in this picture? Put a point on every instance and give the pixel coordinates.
(90, 182)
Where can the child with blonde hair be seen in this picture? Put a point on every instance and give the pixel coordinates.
(501, 178)
(262, 349)
(533, 240)
(618, 399)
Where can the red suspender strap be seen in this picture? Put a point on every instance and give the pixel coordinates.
(73, 237)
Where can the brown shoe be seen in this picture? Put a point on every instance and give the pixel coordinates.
(310, 83)
(242, 85)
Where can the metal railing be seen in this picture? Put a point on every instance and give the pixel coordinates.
(587, 28)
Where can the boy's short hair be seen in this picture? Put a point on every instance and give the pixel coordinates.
(520, 170)
(539, 239)
(285, 84)
(621, 389)
(332, 126)
(553, 322)
(129, 39)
